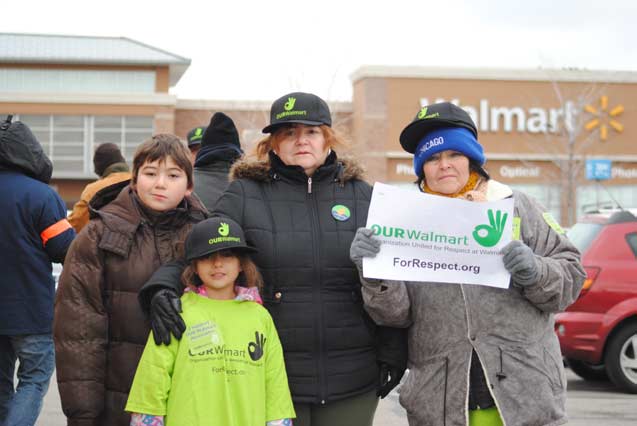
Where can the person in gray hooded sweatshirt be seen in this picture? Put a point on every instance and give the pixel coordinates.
(478, 355)
(220, 148)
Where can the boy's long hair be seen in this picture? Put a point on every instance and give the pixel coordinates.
(159, 147)
(248, 277)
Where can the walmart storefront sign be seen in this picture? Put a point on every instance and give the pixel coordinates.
(492, 118)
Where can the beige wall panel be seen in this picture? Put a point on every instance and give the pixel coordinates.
(77, 109)
(162, 80)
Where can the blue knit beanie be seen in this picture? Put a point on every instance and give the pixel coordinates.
(449, 138)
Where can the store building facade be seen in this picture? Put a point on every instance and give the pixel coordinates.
(539, 128)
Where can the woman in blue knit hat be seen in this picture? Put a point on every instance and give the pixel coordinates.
(478, 355)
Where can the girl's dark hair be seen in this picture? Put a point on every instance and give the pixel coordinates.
(473, 167)
(248, 277)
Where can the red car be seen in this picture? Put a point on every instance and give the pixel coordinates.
(598, 333)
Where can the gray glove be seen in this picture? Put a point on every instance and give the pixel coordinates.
(521, 262)
(363, 245)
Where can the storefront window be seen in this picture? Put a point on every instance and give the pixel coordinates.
(20, 80)
(594, 197)
(69, 140)
(547, 195)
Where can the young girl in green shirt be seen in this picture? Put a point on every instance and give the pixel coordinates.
(228, 368)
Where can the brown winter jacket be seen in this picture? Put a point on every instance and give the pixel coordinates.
(99, 329)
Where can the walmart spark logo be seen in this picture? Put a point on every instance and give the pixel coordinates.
(603, 118)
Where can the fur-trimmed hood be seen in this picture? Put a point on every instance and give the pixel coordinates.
(347, 169)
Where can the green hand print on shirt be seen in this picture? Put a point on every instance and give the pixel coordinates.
(493, 231)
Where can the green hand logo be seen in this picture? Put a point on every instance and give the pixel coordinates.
(289, 104)
(199, 131)
(224, 229)
(422, 113)
(493, 231)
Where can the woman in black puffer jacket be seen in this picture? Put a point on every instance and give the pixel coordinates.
(300, 206)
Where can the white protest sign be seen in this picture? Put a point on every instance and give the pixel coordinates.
(438, 239)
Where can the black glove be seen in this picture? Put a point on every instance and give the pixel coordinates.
(165, 307)
(389, 378)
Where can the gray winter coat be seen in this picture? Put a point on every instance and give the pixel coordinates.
(510, 329)
(210, 182)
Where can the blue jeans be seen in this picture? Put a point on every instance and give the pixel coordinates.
(21, 406)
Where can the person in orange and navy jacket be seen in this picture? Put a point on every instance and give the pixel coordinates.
(34, 233)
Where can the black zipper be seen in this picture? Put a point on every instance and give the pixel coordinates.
(316, 291)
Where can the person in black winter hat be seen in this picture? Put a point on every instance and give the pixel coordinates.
(109, 164)
(220, 148)
(105, 155)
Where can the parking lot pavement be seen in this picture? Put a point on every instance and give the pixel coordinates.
(599, 404)
(588, 404)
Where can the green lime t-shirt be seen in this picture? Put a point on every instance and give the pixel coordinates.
(228, 368)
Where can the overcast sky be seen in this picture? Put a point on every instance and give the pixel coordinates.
(262, 49)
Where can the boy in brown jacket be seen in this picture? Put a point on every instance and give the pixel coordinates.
(99, 329)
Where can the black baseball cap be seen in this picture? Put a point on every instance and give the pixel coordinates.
(215, 234)
(298, 107)
(195, 135)
(431, 117)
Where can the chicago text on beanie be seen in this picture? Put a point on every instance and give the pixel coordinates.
(452, 138)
